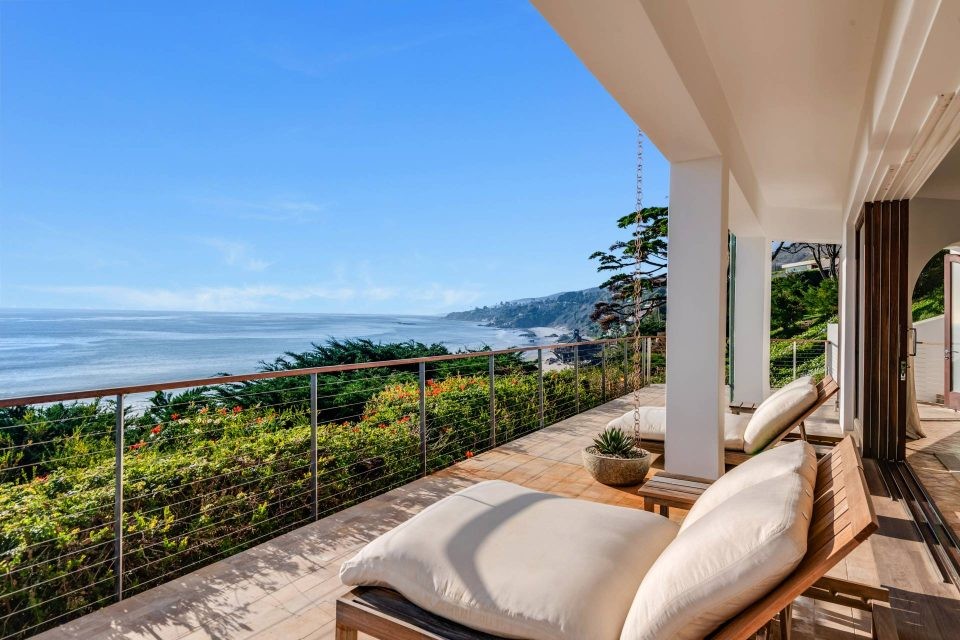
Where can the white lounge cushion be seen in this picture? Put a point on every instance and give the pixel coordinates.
(723, 562)
(518, 563)
(796, 457)
(653, 426)
(802, 381)
(776, 413)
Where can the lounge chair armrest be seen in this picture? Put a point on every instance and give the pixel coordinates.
(737, 409)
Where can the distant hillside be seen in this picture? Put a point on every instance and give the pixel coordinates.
(570, 309)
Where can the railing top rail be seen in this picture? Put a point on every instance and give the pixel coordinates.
(287, 373)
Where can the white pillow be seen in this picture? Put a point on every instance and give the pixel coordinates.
(724, 562)
(518, 563)
(796, 457)
(776, 412)
(802, 381)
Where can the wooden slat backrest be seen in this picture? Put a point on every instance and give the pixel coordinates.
(843, 517)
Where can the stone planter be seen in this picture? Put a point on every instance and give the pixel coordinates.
(616, 472)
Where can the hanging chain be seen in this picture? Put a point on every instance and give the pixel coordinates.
(637, 294)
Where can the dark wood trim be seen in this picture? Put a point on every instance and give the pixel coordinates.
(883, 318)
(950, 397)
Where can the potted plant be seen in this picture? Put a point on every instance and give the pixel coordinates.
(616, 459)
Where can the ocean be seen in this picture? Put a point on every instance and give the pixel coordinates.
(50, 351)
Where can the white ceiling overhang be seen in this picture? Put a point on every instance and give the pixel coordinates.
(816, 106)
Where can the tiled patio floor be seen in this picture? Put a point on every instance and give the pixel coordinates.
(286, 588)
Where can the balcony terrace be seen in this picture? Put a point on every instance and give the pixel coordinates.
(286, 587)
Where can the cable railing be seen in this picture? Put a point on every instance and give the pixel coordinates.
(104, 495)
(792, 358)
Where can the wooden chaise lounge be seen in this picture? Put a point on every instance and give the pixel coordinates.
(826, 389)
(843, 517)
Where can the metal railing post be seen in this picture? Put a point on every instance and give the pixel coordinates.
(603, 372)
(540, 382)
(314, 480)
(626, 368)
(576, 378)
(794, 359)
(423, 418)
(491, 365)
(648, 360)
(118, 499)
(826, 358)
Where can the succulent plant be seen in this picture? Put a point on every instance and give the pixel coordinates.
(613, 441)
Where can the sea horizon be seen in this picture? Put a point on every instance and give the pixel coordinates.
(46, 351)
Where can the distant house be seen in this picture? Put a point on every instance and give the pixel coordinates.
(795, 267)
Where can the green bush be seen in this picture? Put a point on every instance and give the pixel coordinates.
(205, 478)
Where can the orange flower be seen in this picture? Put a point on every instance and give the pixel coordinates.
(174, 416)
(259, 420)
(469, 454)
(138, 445)
(222, 411)
(204, 410)
(156, 430)
(237, 409)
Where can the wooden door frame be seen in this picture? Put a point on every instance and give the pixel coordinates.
(950, 398)
(883, 317)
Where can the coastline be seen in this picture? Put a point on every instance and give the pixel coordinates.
(50, 351)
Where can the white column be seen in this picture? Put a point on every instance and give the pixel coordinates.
(751, 321)
(696, 316)
(848, 328)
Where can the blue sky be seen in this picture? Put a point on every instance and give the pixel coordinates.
(367, 157)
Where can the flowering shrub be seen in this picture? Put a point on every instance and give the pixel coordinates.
(208, 480)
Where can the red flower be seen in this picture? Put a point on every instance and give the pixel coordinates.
(237, 409)
(156, 430)
(431, 382)
(382, 425)
(174, 416)
(469, 454)
(138, 445)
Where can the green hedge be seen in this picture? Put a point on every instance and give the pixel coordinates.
(218, 479)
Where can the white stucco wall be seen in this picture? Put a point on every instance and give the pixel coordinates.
(934, 225)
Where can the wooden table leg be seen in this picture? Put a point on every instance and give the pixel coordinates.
(648, 504)
(344, 633)
(665, 511)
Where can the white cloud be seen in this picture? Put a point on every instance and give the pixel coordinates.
(268, 210)
(432, 298)
(235, 254)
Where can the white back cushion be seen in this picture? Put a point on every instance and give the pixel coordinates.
(653, 425)
(518, 563)
(802, 381)
(777, 412)
(723, 562)
(796, 457)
